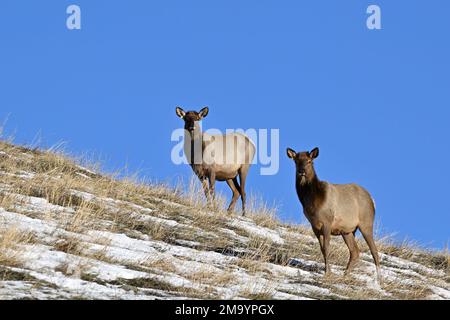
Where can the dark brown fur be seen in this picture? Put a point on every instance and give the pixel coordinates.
(334, 209)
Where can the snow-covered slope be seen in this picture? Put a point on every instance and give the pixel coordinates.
(69, 233)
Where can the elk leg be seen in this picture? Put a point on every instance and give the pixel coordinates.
(354, 251)
(236, 184)
(243, 177)
(205, 189)
(367, 233)
(212, 188)
(321, 239)
(236, 193)
(326, 248)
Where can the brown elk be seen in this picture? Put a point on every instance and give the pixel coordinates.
(334, 209)
(217, 157)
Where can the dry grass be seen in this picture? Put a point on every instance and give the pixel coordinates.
(263, 214)
(413, 251)
(257, 253)
(155, 283)
(206, 276)
(8, 201)
(295, 247)
(12, 241)
(194, 197)
(160, 263)
(59, 180)
(402, 291)
(71, 245)
(257, 291)
(74, 267)
(86, 217)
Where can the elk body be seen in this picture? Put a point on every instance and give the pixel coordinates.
(217, 157)
(334, 209)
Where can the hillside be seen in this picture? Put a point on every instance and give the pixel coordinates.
(67, 232)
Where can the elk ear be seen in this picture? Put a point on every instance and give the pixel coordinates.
(204, 112)
(291, 153)
(180, 112)
(314, 153)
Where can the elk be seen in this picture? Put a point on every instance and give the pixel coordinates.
(334, 209)
(217, 157)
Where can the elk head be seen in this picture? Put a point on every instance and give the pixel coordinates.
(192, 118)
(304, 163)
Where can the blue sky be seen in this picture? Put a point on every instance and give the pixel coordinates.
(375, 102)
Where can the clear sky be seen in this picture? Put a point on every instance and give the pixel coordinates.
(376, 102)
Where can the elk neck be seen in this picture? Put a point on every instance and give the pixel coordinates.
(311, 193)
(193, 146)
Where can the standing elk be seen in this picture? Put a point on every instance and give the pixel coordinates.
(217, 157)
(334, 209)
